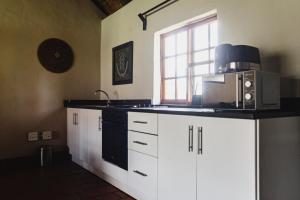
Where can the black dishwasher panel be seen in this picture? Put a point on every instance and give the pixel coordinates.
(115, 137)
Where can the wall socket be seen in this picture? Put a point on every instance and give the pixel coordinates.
(47, 135)
(33, 136)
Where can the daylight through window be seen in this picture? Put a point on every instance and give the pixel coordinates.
(186, 55)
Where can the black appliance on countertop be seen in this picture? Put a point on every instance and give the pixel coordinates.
(235, 58)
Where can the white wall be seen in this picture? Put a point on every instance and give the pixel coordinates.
(271, 25)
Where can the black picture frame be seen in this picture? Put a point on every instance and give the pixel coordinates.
(122, 61)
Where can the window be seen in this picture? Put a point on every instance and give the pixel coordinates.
(186, 55)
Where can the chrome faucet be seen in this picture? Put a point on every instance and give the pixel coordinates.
(108, 99)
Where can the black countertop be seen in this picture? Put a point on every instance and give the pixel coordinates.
(290, 108)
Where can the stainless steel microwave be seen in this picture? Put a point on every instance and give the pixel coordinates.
(248, 90)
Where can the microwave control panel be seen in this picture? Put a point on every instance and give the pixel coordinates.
(249, 86)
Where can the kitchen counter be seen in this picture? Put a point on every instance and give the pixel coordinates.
(240, 114)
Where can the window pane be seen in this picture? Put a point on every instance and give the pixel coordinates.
(170, 45)
(197, 85)
(212, 54)
(170, 67)
(181, 88)
(182, 42)
(214, 33)
(201, 37)
(201, 56)
(201, 69)
(181, 65)
(212, 68)
(170, 89)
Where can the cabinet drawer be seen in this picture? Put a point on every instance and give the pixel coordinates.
(142, 176)
(142, 122)
(143, 143)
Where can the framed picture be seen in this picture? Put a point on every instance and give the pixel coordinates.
(122, 64)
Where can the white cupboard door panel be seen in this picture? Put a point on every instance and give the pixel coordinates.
(70, 129)
(176, 165)
(95, 140)
(73, 133)
(226, 168)
(83, 137)
(143, 143)
(142, 122)
(142, 176)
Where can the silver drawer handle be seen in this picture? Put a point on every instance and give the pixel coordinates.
(191, 142)
(140, 122)
(141, 143)
(99, 123)
(200, 140)
(140, 173)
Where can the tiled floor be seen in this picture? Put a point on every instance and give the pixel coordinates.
(60, 182)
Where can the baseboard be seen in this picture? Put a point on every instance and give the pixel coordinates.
(31, 161)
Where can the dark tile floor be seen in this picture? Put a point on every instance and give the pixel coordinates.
(64, 181)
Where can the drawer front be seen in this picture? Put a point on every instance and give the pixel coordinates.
(142, 122)
(143, 143)
(142, 176)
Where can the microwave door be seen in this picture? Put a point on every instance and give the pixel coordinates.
(222, 91)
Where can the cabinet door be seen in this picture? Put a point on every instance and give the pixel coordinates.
(95, 140)
(226, 168)
(176, 163)
(73, 133)
(83, 137)
(71, 129)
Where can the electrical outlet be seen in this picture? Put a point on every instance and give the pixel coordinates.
(33, 136)
(47, 135)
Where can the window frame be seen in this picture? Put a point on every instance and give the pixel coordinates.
(190, 64)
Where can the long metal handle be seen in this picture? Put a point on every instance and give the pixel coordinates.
(200, 138)
(237, 94)
(76, 118)
(191, 128)
(99, 123)
(140, 122)
(73, 118)
(141, 143)
(140, 173)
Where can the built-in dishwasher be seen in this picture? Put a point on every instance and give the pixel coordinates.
(115, 137)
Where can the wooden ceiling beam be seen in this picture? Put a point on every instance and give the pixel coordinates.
(110, 6)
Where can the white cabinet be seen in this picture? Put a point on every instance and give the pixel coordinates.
(142, 175)
(226, 168)
(142, 122)
(72, 130)
(94, 127)
(206, 158)
(78, 136)
(142, 155)
(143, 143)
(176, 162)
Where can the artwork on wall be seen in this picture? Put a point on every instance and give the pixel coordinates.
(123, 64)
(55, 55)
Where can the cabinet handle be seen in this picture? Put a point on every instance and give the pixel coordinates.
(191, 128)
(76, 118)
(140, 122)
(73, 118)
(200, 138)
(140, 173)
(141, 143)
(99, 123)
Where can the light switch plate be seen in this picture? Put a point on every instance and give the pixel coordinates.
(47, 135)
(33, 136)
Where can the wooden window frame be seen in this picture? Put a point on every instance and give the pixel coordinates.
(190, 64)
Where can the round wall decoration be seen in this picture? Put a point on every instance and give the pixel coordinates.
(55, 55)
